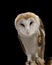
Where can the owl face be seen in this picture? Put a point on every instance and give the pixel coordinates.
(27, 27)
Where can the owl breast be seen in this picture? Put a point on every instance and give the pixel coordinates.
(30, 44)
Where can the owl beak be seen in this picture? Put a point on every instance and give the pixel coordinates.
(27, 31)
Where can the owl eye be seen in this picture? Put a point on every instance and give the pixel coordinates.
(31, 22)
(22, 24)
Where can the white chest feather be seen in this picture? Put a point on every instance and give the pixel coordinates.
(30, 44)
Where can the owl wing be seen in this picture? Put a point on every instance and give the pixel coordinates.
(41, 40)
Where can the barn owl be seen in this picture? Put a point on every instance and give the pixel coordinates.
(31, 34)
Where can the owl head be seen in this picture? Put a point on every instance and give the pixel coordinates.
(27, 24)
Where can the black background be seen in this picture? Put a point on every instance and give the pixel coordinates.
(11, 50)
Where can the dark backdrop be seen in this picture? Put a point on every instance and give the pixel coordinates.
(11, 50)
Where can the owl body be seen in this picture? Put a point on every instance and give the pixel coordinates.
(30, 45)
(31, 33)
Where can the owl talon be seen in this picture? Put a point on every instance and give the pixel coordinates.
(40, 61)
(27, 63)
(31, 63)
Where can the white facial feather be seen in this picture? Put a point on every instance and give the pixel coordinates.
(28, 29)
